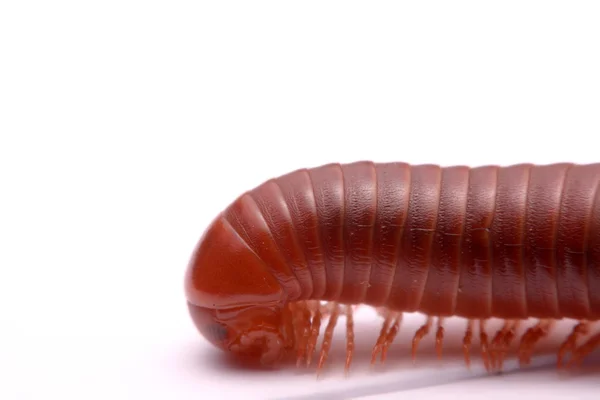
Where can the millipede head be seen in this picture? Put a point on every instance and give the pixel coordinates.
(234, 301)
(256, 334)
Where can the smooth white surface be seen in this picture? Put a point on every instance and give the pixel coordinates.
(125, 126)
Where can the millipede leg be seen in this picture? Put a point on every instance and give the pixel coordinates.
(349, 338)
(314, 335)
(303, 325)
(420, 334)
(327, 308)
(530, 338)
(508, 338)
(439, 337)
(327, 338)
(382, 336)
(391, 335)
(525, 343)
(496, 344)
(570, 342)
(585, 349)
(483, 338)
(467, 343)
(313, 306)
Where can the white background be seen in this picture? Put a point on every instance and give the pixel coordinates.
(126, 126)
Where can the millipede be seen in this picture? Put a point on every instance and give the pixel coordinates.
(286, 261)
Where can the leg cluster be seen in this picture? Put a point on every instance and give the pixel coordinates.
(309, 316)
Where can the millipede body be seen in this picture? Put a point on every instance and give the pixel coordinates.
(295, 254)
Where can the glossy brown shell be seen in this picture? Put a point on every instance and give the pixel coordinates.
(511, 242)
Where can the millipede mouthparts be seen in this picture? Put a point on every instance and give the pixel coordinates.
(289, 259)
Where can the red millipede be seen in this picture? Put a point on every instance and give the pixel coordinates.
(510, 242)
